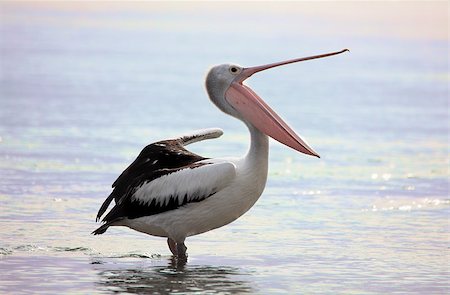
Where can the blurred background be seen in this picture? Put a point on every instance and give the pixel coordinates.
(84, 86)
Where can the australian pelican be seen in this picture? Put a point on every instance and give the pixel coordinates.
(171, 192)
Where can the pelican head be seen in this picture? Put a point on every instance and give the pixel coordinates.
(218, 81)
(224, 84)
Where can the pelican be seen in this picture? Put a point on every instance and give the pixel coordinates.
(171, 192)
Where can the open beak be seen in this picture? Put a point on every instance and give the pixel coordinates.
(259, 114)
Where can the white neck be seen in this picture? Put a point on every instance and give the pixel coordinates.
(257, 157)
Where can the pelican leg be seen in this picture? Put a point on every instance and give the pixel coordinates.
(172, 246)
(177, 249)
(181, 250)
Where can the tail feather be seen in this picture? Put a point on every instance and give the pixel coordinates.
(101, 229)
(104, 206)
(105, 226)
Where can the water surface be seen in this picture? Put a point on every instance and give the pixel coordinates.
(84, 87)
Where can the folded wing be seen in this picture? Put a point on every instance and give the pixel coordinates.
(166, 176)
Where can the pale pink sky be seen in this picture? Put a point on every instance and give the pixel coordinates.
(426, 20)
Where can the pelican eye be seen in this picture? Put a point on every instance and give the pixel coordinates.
(235, 70)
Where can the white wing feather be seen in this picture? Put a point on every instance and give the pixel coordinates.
(199, 135)
(192, 183)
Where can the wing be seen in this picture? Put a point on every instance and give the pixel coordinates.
(156, 160)
(167, 154)
(173, 188)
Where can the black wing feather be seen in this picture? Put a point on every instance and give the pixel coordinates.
(157, 159)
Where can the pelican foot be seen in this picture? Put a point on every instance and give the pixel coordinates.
(178, 249)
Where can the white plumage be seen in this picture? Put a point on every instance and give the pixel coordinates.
(201, 180)
(239, 187)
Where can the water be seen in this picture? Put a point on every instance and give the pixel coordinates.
(85, 86)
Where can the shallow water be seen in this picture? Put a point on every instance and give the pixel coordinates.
(84, 87)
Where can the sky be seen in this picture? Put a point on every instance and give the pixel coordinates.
(405, 19)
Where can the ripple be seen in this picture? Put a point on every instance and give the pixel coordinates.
(36, 248)
(137, 255)
(407, 204)
(28, 248)
(71, 249)
(5, 251)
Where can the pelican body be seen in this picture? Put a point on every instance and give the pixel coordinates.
(171, 192)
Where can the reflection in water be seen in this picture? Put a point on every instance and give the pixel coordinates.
(175, 276)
